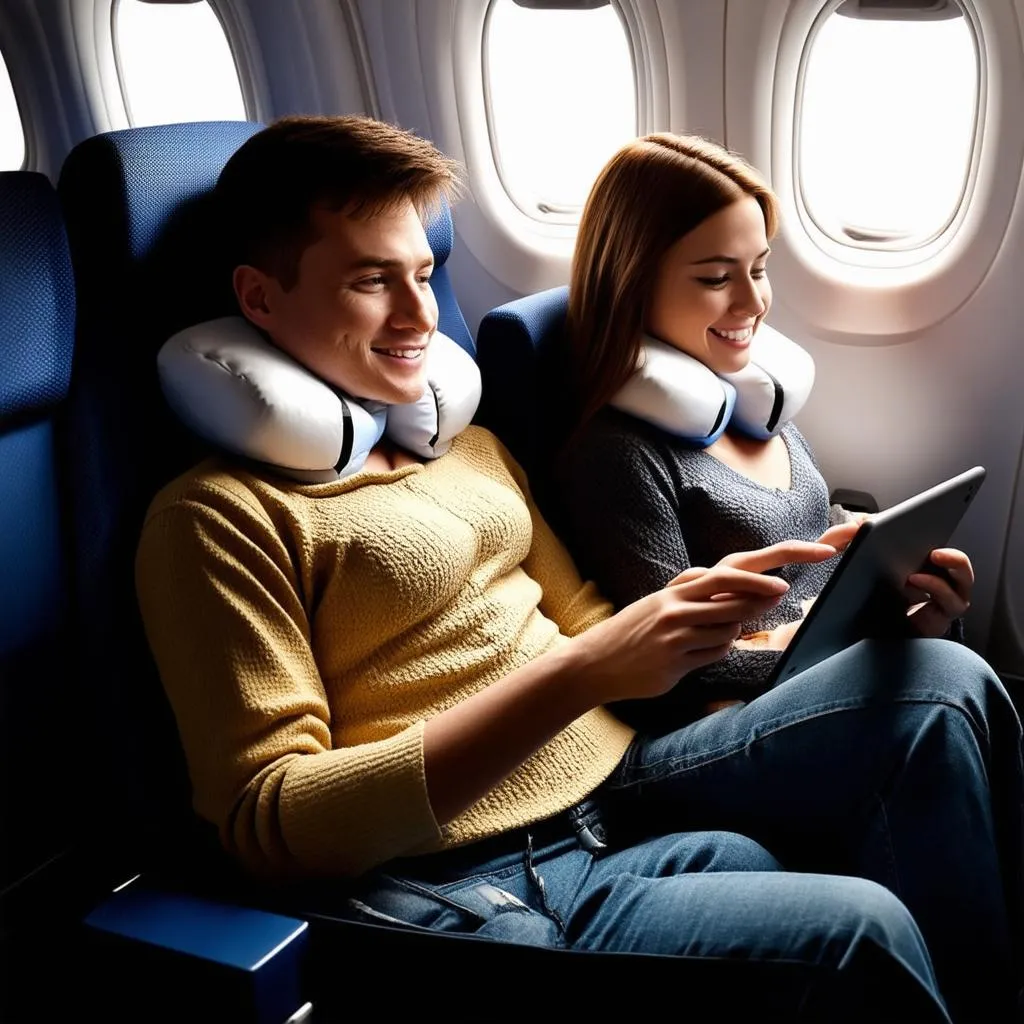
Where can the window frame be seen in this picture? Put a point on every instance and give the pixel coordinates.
(843, 297)
(566, 215)
(224, 27)
(894, 253)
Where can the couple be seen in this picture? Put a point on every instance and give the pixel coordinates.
(397, 675)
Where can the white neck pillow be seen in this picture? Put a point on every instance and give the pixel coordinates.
(231, 386)
(681, 395)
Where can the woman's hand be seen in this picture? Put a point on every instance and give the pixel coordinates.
(645, 648)
(936, 599)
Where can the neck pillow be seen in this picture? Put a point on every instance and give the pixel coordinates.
(231, 386)
(681, 395)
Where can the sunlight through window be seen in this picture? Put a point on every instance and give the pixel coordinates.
(12, 134)
(886, 127)
(175, 64)
(562, 98)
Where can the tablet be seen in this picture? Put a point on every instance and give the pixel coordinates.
(863, 597)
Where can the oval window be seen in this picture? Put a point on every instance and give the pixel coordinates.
(175, 64)
(886, 121)
(561, 98)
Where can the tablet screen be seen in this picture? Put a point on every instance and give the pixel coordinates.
(864, 595)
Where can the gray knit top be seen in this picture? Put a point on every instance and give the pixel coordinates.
(641, 505)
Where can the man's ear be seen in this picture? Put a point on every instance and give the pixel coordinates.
(251, 290)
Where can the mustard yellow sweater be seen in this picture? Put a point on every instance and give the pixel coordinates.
(305, 632)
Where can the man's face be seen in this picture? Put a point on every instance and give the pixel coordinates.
(361, 314)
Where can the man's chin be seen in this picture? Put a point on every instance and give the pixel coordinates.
(406, 393)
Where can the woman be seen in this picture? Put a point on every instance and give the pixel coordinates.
(683, 273)
(689, 270)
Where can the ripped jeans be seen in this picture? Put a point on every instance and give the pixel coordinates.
(855, 833)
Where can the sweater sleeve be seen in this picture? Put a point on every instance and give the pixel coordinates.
(837, 515)
(628, 532)
(221, 602)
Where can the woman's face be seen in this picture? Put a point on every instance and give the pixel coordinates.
(711, 289)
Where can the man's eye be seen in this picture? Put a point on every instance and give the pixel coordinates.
(371, 282)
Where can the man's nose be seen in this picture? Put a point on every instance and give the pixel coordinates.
(416, 309)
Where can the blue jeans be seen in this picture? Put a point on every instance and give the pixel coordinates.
(855, 833)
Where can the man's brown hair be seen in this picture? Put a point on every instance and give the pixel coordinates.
(652, 192)
(270, 186)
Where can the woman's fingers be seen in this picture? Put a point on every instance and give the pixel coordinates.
(949, 588)
(924, 586)
(936, 598)
(957, 566)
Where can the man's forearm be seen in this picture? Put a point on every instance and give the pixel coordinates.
(473, 746)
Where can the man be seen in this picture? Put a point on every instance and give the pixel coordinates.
(399, 678)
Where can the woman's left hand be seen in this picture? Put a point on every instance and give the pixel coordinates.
(936, 599)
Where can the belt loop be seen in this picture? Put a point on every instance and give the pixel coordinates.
(591, 841)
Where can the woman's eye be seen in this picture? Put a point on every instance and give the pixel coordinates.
(714, 282)
(758, 272)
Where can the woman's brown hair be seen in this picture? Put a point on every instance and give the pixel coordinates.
(652, 192)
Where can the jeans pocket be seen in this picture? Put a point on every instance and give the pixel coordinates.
(478, 908)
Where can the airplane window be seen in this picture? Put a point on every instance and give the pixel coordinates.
(175, 64)
(12, 134)
(561, 98)
(886, 124)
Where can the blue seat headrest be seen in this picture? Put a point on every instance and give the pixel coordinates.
(37, 302)
(141, 198)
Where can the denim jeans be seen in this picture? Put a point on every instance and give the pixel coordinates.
(856, 831)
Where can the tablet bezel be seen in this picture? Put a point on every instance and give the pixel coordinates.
(863, 597)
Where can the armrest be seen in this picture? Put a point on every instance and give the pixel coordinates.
(158, 954)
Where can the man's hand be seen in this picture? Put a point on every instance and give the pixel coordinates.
(645, 649)
(840, 536)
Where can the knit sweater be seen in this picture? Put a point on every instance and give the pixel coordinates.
(643, 505)
(305, 633)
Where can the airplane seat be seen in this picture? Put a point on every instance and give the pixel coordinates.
(131, 199)
(148, 261)
(521, 359)
(43, 746)
(450, 321)
(143, 243)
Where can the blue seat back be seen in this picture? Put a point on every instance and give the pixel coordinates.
(142, 248)
(441, 235)
(521, 356)
(38, 687)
